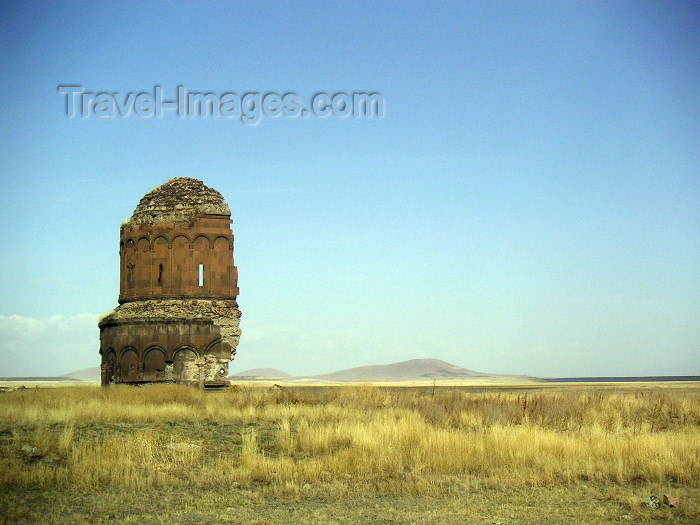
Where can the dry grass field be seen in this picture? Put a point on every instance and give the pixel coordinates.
(515, 454)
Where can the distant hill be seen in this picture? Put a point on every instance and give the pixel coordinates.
(403, 371)
(37, 378)
(412, 370)
(86, 374)
(267, 373)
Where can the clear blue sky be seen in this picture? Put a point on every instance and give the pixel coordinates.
(528, 204)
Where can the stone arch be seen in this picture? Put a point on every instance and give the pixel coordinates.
(154, 364)
(202, 236)
(127, 260)
(129, 365)
(214, 348)
(216, 360)
(180, 260)
(128, 348)
(144, 244)
(180, 236)
(185, 348)
(222, 262)
(185, 366)
(109, 366)
(142, 267)
(160, 273)
(202, 263)
(224, 241)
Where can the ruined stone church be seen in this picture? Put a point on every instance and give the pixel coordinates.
(177, 319)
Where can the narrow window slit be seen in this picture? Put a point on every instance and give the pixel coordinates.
(201, 275)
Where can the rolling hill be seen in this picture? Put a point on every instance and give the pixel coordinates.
(414, 369)
(267, 373)
(403, 371)
(86, 374)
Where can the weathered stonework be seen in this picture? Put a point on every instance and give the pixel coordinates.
(177, 319)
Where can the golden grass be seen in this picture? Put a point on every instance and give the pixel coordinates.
(337, 438)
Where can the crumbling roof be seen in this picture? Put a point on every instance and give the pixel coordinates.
(179, 199)
(223, 313)
(175, 309)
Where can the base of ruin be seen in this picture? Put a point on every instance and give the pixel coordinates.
(187, 342)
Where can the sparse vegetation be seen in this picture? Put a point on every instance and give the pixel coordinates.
(319, 444)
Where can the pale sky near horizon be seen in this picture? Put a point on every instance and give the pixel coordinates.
(529, 203)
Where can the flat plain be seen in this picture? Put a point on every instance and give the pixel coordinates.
(465, 452)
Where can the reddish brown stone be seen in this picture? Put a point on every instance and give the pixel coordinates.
(177, 319)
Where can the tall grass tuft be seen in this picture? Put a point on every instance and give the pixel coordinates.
(131, 438)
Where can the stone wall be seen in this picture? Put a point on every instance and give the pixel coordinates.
(163, 259)
(178, 319)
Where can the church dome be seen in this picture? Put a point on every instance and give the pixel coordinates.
(178, 200)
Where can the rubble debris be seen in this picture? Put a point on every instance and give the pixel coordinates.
(30, 451)
(179, 200)
(672, 501)
(652, 502)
